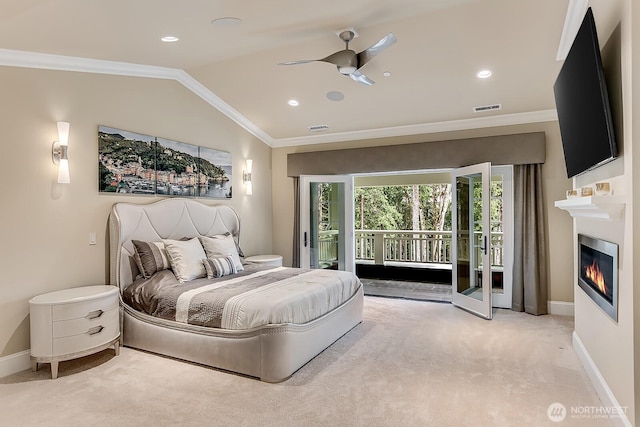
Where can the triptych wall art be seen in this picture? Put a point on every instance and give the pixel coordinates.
(133, 163)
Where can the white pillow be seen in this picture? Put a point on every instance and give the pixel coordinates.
(222, 245)
(186, 258)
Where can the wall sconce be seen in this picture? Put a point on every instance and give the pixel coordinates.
(59, 153)
(246, 177)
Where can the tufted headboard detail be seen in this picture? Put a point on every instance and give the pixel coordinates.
(167, 219)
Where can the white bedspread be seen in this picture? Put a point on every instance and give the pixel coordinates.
(298, 299)
(252, 298)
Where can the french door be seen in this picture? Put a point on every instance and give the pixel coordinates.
(326, 222)
(502, 241)
(471, 234)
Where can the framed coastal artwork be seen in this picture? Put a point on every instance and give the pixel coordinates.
(134, 163)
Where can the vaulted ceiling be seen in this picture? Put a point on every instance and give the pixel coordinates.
(432, 86)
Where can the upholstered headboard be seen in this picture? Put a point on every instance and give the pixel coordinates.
(167, 219)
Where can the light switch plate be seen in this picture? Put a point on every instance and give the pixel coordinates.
(92, 238)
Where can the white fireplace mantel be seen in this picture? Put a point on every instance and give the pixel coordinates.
(597, 207)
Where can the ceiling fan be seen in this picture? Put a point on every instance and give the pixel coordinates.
(348, 61)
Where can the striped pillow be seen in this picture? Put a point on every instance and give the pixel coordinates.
(220, 266)
(150, 257)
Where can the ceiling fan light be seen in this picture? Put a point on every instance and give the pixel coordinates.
(347, 69)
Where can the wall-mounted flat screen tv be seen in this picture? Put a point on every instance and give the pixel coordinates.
(582, 102)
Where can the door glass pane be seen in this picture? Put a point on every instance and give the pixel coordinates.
(472, 267)
(327, 220)
(468, 268)
(497, 234)
(478, 244)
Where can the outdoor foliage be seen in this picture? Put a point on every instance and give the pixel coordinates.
(415, 207)
(374, 210)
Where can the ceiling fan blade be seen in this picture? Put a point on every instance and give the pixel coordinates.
(366, 55)
(361, 78)
(341, 58)
(302, 61)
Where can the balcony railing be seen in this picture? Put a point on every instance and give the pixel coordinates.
(427, 247)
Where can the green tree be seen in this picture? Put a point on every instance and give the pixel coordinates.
(404, 207)
(373, 210)
(495, 206)
(437, 205)
(399, 197)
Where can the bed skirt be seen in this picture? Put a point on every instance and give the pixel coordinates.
(271, 353)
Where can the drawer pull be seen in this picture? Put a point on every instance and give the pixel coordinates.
(94, 314)
(95, 330)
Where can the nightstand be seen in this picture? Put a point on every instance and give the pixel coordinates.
(73, 323)
(270, 260)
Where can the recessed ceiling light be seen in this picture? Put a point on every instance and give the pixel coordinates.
(170, 39)
(227, 21)
(387, 74)
(293, 102)
(335, 95)
(483, 74)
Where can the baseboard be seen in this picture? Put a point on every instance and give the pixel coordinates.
(560, 308)
(14, 363)
(602, 389)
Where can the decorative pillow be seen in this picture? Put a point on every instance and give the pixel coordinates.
(186, 258)
(222, 245)
(220, 266)
(150, 257)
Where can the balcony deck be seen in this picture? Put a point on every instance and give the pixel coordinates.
(410, 264)
(438, 292)
(409, 280)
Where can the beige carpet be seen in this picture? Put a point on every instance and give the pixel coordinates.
(410, 363)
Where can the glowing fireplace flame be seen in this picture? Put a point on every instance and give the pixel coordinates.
(595, 275)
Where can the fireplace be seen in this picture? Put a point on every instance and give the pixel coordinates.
(598, 272)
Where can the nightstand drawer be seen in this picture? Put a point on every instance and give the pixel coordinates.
(66, 328)
(91, 308)
(98, 335)
(73, 322)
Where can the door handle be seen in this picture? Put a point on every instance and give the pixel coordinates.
(483, 247)
(305, 239)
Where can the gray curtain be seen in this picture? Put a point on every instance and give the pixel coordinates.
(530, 245)
(296, 223)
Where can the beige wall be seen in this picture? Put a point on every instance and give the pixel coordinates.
(614, 347)
(633, 119)
(555, 186)
(45, 225)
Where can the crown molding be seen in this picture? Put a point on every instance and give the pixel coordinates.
(46, 61)
(572, 21)
(426, 128)
(16, 58)
(203, 92)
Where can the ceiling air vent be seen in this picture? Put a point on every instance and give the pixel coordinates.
(318, 128)
(484, 108)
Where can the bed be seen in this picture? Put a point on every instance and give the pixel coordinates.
(268, 346)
